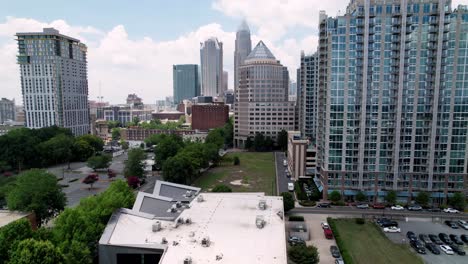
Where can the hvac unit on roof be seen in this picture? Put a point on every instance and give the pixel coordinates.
(179, 204)
(187, 260)
(174, 208)
(163, 240)
(188, 221)
(280, 214)
(262, 205)
(200, 198)
(206, 242)
(156, 226)
(188, 194)
(180, 220)
(259, 221)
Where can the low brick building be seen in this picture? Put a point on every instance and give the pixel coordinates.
(169, 115)
(140, 134)
(208, 116)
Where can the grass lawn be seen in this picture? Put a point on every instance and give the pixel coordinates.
(255, 173)
(366, 244)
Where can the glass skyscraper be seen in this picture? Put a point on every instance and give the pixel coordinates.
(393, 99)
(54, 80)
(211, 64)
(186, 84)
(307, 84)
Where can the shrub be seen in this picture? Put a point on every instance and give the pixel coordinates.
(335, 196)
(221, 188)
(288, 201)
(339, 203)
(236, 160)
(296, 218)
(360, 221)
(133, 181)
(301, 195)
(307, 203)
(303, 254)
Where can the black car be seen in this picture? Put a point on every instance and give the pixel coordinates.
(435, 239)
(411, 236)
(433, 248)
(418, 246)
(324, 205)
(456, 239)
(335, 251)
(451, 224)
(459, 250)
(389, 224)
(295, 241)
(425, 239)
(382, 220)
(445, 239)
(464, 238)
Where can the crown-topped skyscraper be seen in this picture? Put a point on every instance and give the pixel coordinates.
(242, 49)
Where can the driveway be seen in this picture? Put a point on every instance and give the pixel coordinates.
(281, 179)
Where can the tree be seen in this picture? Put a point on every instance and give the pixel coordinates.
(178, 169)
(422, 199)
(335, 196)
(94, 141)
(99, 162)
(11, 235)
(248, 143)
(301, 254)
(236, 160)
(115, 133)
(221, 188)
(210, 153)
(91, 179)
(82, 150)
(37, 191)
(216, 136)
(133, 181)
(282, 140)
(167, 147)
(124, 144)
(458, 201)
(259, 142)
(229, 133)
(361, 197)
(391, 197)
(113, 124)
(135, 166)
(58, 149)
(288, 201)
(32, 251)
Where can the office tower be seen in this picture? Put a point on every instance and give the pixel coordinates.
(54, 80)
(7, 110)
(262, 104)
(185, 82)
(393, 99)
(307, 96)
(134, 101)
(242, 49)
(225, 81)
(211, 58)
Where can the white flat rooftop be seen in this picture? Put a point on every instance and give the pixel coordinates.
(227, 219)
(7, 217)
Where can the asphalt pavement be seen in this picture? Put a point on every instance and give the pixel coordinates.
(281, 179)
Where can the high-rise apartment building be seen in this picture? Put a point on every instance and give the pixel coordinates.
(225, 81)
(262, 104)
(243, 47)
(307, 96)
(186, 83)
(211, 58)
(7, 110)
(393, 99)
(54, 80)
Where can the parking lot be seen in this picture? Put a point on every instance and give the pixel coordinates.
(428, 226)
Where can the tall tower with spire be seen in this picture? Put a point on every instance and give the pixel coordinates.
(242, 49)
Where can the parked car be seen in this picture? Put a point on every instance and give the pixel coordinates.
(335, 252)
(433, 248)
(325, 225)
(285, 163)
(363, 206)
(324, 205)
(378, 206)
(464, 238)
(328, 233)
(445, 239)
(411, 236)
(456, 239)
(447, 249)
(425, 239)
(295, 241)
(418, 246)
(451, 224)
(389, 224)
(463, 224)
(397, 207)
(339, 261)
(451, 211)
(415, 207)
(392, 229)
(458, 249)
(381, 220)
(290, 186)
(435, 239)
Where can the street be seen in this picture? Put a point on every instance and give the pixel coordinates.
(281, 179)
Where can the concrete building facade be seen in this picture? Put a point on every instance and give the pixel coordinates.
(307, 100)
(54, 80)
(186, 83)
(7, 110)
(211, 63)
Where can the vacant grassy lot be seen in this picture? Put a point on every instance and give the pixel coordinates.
(365, 244)
(256, 173)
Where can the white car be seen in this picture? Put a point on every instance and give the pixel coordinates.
(448, 250)
(290, 186)
(392, 229)
(285, 163)
(397, 207)
(325, 225)
(451, 211)
(463, 224)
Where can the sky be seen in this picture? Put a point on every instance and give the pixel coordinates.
(132, 45)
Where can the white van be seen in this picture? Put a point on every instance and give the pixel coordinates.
(291, 186)
(285, 163)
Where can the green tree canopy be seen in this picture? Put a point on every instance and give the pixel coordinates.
(288, 201)
(99, 162)
(94, 141)
(135, 166)
(248, 143)
(391, 197)
(301, 254)
(423, 199)
(167, 147)
(124, 144)
(259, 142)
(221, 188)
(32, 251)
(458, 201)
(216, 137)
(334, 196)
(283, 140)
(82, 150)
(37, 191)
(11, 235)
(361, 197)
(58, 149)
(178, 169)
(115, 133)
(229, 133)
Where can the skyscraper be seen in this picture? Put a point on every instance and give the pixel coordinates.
(7, 110)
(54, 80)
(393, 99)
(225, 81)
(242, 49)
(211, 58)
(307, 96)
(262, 104)
(185, 82)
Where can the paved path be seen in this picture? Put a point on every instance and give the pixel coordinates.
(281, 179)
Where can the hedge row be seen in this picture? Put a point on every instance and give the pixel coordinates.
(301, 195)
(296, 218)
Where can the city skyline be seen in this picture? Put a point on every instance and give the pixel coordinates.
(119, 42)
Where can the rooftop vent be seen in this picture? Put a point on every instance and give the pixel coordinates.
(178, 204)
(259, 221)
(187, 260)
(206, 242)
(188, 221)
(188, 194)
(219, 257)
(200, 198)
(262, 205)
(174, 208)
(280, 214)
(180, 220)
(163, 240)
(156, 226)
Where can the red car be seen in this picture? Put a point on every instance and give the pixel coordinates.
(328, 233)
(378, 206)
